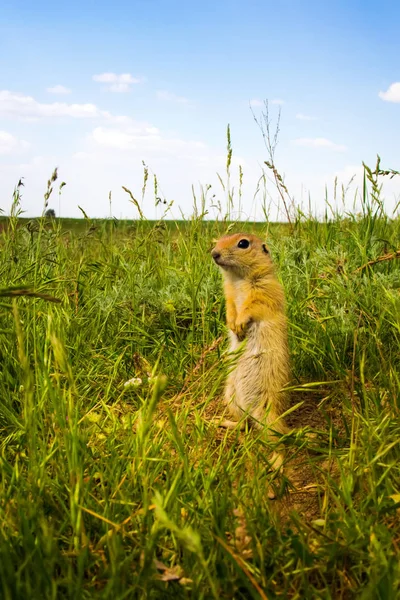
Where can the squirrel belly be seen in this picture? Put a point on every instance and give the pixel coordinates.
(260, 371)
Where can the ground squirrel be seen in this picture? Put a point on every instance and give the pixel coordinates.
(255, 312)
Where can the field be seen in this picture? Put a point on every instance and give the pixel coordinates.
(121, 491)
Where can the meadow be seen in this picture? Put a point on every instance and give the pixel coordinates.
(116, 481)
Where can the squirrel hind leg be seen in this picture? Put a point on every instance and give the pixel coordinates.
(230, 388)
(230, 399)
(275, 422)
(268, 417)
(227, 424)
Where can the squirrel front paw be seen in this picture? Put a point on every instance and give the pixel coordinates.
(230, 323)
(240, 329)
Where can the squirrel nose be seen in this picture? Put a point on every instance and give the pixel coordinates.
(215, 254)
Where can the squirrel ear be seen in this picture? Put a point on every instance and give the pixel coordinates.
(265, 249)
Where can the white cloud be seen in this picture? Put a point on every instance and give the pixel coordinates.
(277, 101)
(303, 117)
(256, 103)
(319, 143)
(9, 144)
(392, 94)
(113, 138)
(117, 83)
(19, 106)
(58, 89)
(169, 97)
(114, 78)
(141, 138)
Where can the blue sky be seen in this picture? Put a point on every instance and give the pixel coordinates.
(96, 87)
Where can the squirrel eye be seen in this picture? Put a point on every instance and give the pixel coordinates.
(243, 244)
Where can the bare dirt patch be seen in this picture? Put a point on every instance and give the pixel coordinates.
(320, 423)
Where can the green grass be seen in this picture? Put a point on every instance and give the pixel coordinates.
(99, 481)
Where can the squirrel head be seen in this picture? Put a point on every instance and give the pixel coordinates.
(244, 255)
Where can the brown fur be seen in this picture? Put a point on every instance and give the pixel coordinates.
(255, 311)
